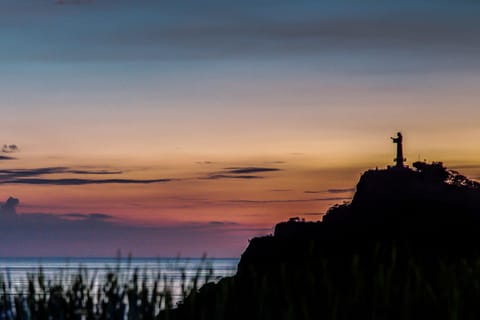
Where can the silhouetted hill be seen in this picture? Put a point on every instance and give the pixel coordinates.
(389, 254)
(428, 196)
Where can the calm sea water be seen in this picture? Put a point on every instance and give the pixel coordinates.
(171, 271)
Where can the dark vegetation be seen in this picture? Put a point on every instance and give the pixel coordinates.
(133, 294)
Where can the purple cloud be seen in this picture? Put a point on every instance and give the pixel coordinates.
(101, 234)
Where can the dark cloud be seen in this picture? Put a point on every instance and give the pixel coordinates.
(7, 158)
(15, 173)
(99, 172)
(334, 191)
(10, 148)
(76, 182)
(99, 234)
(281, 190)
(240, 173)
(287, 200)
(29, 176)
(341, 190)
(75, 215)
(9, 208)
(243, 170)
(223, 223)
(99, 216)
(226, 176)
(21, 173)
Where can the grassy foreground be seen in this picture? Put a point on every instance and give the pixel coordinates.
(353, 288)
(123, 293)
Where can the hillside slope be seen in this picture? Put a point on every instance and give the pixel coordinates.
(406, 247)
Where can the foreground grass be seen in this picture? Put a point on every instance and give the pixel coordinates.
(356, 287)
(123, 293)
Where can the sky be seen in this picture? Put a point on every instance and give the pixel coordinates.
(166, 128)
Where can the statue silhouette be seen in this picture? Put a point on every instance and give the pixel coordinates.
(399, 159)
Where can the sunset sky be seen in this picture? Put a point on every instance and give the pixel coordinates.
(167, 127)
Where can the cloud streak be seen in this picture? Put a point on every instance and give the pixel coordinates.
(77, 182)
(332, 191)
(240, 173)
(223, 223)
(95, 216)
(16, 173)
(226, 176)
(243, 170)
(341, 190)
(34, 176)
(30, 176)
(287, 200)
(7, 158)
(99, 172)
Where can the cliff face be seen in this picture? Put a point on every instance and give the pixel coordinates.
(428, 215)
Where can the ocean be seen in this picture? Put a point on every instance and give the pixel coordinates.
(15, 272)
